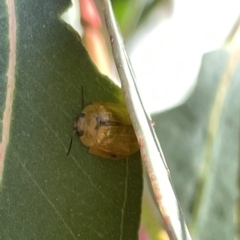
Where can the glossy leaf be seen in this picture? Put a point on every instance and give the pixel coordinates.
(46, 194)
(200, 140)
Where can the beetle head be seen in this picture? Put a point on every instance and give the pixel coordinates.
(86, 125)
(79, 124)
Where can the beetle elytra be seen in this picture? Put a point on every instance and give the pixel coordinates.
(106, 129)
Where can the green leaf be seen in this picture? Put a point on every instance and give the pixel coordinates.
(200, 140)
(46, 194)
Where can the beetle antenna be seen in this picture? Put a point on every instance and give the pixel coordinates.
(82, 97)
(70, 144)
(71, 140)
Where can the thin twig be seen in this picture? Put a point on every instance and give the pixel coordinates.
(151, 152)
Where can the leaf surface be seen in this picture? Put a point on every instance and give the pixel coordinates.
(200, 140)
(46, 194)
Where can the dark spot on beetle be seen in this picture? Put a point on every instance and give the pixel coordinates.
(80, 133)
(98, 120)
(103, 123)
(113, 156)
(81, 115)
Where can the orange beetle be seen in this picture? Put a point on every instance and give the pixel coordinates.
(106, 129)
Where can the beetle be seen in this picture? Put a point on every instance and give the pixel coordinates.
(106, 129)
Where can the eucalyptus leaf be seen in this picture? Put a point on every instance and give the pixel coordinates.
(200, 140)
(44, 193)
